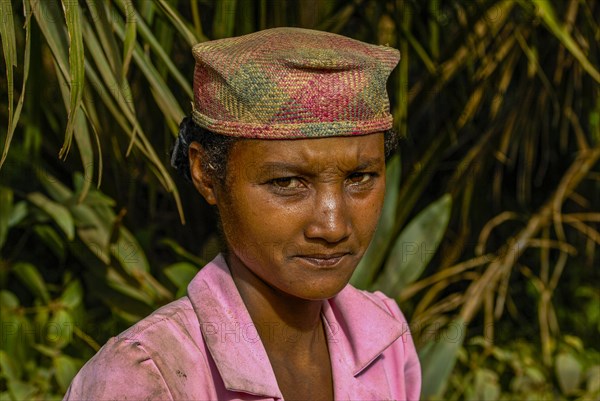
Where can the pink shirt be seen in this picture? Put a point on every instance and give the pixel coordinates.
(205, 347)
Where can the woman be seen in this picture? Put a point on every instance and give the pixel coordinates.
(287, 139)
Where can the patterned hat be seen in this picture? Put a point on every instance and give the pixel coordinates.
(287, 83)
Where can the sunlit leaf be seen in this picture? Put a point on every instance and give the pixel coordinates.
(65, 369)
(546, 11)
(8, 300)
(6, 208)
(8, 370)
(32, 279)
(52, 239)
(414, 247)
(375, 254)
(9, 49)
(76, 67)
(130, 37)
(59, 331)
(568, 372)
(181, 274)
(60, 214)
(72, 295)
(438, 358)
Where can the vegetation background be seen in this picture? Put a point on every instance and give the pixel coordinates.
(490, 229)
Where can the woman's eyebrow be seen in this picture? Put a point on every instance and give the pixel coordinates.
(278, 167)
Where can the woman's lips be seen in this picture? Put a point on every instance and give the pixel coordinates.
(323, 260)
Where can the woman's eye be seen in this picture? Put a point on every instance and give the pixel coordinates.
(286, 183)
(360, 178)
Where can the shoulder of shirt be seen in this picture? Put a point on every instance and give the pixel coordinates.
(178, 315)
(381, 300)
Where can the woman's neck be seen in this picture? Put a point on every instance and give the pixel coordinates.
(284, 323)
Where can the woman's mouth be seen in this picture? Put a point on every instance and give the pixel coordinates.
(323, 260)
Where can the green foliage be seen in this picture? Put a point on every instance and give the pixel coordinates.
(489, 230)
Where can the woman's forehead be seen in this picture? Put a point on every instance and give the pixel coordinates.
(315, 152)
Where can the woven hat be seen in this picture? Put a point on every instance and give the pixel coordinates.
(286, 83)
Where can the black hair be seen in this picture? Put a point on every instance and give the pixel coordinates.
(217, 148)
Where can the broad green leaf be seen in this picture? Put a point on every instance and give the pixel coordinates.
(485, 386)
(375, 254)
(181, 273)
(129, 253)
(8, 368)
(59, 331)
(414, 247)
(32, 279)
(52, 240)
(46, 351)
(93, 231)
(8, 300)
(20, 390)
(76, 68)
(56, 189)
(593, 379)
(184, 253)
(72, 295)
(118, 283)
(60, 214)
(438, 358)
(11, 343)
(19, 212)
(568, 372)
(65, 369)
(17, 338)
(6, 208)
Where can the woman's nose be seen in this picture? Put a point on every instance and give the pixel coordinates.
(329, 219)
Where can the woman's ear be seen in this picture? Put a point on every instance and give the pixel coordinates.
(202, 179)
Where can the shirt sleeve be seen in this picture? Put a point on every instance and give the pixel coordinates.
(412, 366)
(122, 370)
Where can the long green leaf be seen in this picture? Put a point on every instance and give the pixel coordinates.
(224, 19)
(147, 34)
(179, 24)
(373, 257)
(65, 369)
(59, 333)
(548, 15)
(130, 36)
(414, 247)
(32, 279)
(84, 144)
(6, 207)
(76, 68)
(60, 214)
(9, 48)
(101, 18)
(438, 358)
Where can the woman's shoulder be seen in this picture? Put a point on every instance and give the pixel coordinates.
(157, 352)
(378, 298)
(178, 316)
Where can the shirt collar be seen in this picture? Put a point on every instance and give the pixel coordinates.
(355, 321)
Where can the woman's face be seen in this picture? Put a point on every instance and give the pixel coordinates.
(299, 214)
